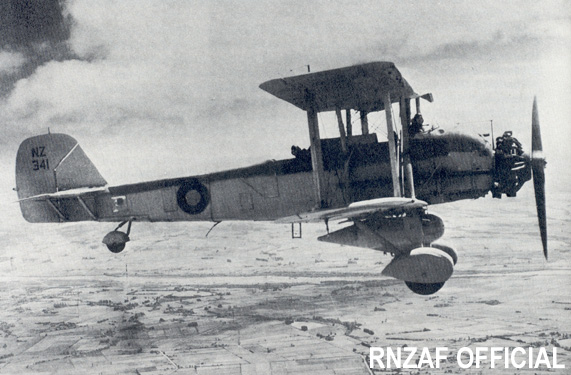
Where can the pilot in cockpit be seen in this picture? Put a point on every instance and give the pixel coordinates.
(416, 125)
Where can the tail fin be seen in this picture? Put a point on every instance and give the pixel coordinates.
(47, 164)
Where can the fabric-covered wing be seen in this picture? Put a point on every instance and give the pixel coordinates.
(356, 210)
(359, 87)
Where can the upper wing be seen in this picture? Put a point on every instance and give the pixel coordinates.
(359, 87)
(356, 210)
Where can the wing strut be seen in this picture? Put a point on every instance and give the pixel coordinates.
(404, 117)
(342, 135)
(392, 146)
(86, 208)
(364, 122)
(349, 125)
(56, 209)
(316, 153)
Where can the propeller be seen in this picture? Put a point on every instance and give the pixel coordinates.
(538, 169)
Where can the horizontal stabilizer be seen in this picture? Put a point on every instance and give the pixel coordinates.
(73, 193)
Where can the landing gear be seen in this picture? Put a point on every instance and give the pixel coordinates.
(425, 269)
(116, 240)
(424, 289)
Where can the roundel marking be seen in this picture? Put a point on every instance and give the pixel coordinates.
(192, 197)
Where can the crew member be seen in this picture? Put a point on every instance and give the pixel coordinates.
(300, 153)
(416, 125)
(509, 145)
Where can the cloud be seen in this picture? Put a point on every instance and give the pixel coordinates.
(503, 44)
(31, 33)
(179, 73)
(25, 23)
(130, 61)
(10, 62)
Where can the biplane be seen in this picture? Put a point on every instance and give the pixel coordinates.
(380, 188)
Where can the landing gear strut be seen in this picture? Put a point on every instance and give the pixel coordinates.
(116, 240)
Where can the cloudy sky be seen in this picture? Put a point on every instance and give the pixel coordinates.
(155, 89)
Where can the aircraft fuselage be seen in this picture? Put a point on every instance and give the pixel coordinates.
(447, 168)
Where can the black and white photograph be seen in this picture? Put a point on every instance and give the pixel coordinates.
(283, 187)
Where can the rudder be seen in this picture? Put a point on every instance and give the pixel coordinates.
(51, 163)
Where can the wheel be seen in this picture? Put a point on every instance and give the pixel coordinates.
(116, 248)
(115, 241)
(424, 289)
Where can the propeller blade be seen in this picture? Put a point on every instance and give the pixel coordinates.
(539, 186)
(535, 130)
(538, 169)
